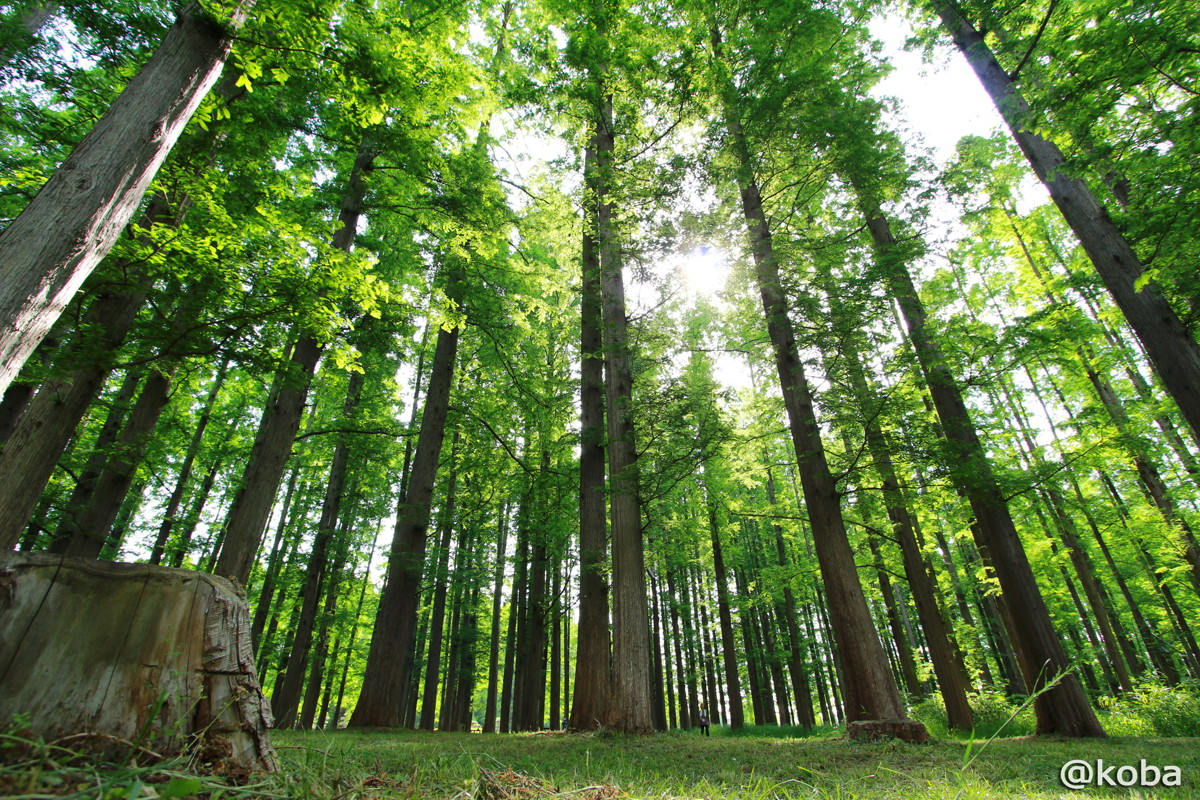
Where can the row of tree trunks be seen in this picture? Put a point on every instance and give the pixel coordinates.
(1063, 708)
(952, 680)
(47, 425)
(440, 575)
(389, 659)
(175, 501)
(732, 681)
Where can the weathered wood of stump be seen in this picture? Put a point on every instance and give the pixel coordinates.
(874, 729)
(110, 654)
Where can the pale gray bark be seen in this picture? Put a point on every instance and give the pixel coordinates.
(102, 652)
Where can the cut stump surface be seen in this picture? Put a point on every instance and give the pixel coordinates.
(132, 654)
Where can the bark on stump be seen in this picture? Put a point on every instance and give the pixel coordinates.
(871, 730)
(109, 653)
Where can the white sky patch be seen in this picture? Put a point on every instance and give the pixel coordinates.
(941, 102)
(705, 271)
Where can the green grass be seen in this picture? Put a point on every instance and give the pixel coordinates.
(676, 765)
(404, 764)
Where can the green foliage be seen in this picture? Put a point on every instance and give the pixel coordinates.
(1154, 710)
(993, 713)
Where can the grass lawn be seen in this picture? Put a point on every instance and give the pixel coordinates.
(680, 765)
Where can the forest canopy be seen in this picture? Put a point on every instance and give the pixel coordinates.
(389, 312)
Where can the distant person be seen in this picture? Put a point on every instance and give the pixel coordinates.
(703, 719)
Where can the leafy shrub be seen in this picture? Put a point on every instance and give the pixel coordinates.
(1152, 709)
(991, 710)
(932, 712)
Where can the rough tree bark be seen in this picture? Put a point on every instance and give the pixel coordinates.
(590, 704)
(441, 585)
(630, 703)
(43, 431)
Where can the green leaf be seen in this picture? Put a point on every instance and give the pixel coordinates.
(181, 787)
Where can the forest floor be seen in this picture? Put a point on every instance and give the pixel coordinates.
(388, 764)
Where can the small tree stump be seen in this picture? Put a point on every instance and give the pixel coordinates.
(874, 729)
(114, 655)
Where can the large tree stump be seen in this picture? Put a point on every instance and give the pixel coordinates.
(131, 654)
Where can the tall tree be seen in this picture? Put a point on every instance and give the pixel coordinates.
(1172, 348)
(870, 689)
(95, 193)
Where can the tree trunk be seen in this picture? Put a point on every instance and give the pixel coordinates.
(904, 648)
(630, 702)
(320, 649)
(556, 613)
(316, 572)
(281, 420)
(437, 616)
(114, 419)
(799, 674)
(387, 671)
(657, 686)
(248, 516)
(42, 433)
(733, 684)
(281, 552)
(19, 393)
(92, 196)
(87, 533)
(489, 714)
(100, 651)
(338, 709)
(680, 668)
(951, 679)
(589, 708)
